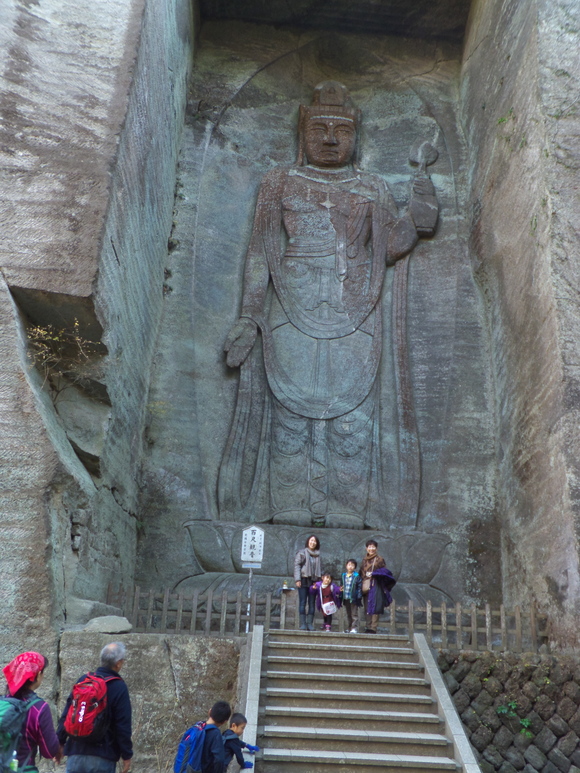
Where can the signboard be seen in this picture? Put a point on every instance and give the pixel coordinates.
(251, 566)
(253, 545)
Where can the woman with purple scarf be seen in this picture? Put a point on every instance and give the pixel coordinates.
(377, 582)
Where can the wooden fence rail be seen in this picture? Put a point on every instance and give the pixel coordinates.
(220, 614)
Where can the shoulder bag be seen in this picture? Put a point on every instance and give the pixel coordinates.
(328, 607)
(366, 583)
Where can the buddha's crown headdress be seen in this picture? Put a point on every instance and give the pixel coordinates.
(329, 100)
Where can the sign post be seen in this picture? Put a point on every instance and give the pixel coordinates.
(252, 556)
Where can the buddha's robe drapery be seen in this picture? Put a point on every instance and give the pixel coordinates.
(313, 284)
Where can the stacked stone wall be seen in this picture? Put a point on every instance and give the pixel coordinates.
(520, 712)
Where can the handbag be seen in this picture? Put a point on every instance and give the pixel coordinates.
(366, 583)
(328, 607)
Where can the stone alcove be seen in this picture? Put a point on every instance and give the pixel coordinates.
(247, 84)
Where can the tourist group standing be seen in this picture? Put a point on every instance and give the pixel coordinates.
(369, 588)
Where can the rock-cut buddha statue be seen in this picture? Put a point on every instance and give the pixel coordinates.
(304, 447)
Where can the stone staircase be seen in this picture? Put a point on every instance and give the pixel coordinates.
(334, 703)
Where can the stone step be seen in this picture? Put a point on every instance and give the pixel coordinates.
(313, 761)
(305, 680)
(395, 721)
(348, 739)
(357, 701)
(363, 668)
(406, 654)
(334, 638)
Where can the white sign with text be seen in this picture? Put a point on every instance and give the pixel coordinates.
(253, 544)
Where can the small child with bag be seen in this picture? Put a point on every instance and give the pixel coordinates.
(328, 599)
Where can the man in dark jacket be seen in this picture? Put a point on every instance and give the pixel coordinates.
(85, 756)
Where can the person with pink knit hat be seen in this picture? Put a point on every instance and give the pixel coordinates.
(24, 675)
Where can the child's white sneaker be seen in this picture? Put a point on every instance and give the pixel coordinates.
(353, 630)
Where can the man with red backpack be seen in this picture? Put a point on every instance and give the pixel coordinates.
(96, 721)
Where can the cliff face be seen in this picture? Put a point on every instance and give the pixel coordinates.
(92, 101)
(519, 107)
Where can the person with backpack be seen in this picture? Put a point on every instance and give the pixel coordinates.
(96, 721)
(25, 720)
(201, 749)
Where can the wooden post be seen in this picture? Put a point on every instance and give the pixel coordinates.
(411, 620)
(503, 626)
(208, 612)
(283, 612)
(194, 602)
(443, 625)
(429, 631)
(149, 618)
(179, 613)
(393, 625)
(488, 628)
(474, 642)
(125, 602)
(223, 616)
(458, 627)
(253, 606)
(268, 612)
(135, 617)
(238, 614)
(163, 628)
(518, 614)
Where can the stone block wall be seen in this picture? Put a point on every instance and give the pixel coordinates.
(520, 712)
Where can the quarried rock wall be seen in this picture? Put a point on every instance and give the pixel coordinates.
(520, 63)
(92, 106)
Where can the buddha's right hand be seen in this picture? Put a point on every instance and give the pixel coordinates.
(240, 341)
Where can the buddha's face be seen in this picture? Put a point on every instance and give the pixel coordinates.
(329, 142)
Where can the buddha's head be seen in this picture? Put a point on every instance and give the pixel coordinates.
(328, 128)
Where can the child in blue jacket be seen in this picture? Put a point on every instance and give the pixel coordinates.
(351, 588)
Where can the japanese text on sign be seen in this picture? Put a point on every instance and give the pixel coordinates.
(253, 544)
